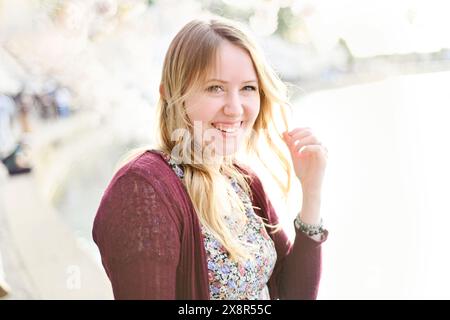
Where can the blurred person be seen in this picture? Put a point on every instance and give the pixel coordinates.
(62, 100)
(46, 106)
(187, 220)
(24, 103)
(12, 152)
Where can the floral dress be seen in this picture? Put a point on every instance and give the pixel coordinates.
(230, 280)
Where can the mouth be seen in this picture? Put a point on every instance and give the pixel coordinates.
(227, 128)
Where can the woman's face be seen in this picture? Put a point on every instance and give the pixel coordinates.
(225, 107)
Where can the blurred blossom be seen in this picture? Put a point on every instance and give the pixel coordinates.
(265, 19)
(106, 8)
(380, 27)
(244, 5)
(72, 16)
(16, 17)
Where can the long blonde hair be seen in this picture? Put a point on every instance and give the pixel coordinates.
(191, 54)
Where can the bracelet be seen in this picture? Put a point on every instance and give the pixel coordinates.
(309, 229)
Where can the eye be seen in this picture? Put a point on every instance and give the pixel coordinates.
(214, 89)
(249, 88)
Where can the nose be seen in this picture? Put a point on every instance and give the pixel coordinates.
(233, 106)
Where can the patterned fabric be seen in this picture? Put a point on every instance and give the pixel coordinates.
(230, 280)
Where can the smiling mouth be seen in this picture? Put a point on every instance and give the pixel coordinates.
(227, 128)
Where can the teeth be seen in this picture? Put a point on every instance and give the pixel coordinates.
(227, 128)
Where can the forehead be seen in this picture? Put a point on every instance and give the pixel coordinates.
(232, 64)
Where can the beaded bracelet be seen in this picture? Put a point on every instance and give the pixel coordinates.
(309, 229)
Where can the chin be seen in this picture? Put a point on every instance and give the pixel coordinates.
(220, 150)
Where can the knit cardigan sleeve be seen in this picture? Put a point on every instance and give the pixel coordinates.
(138, 238)
(298, 268)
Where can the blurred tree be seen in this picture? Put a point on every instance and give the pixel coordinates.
(220, 8)
(291, 27)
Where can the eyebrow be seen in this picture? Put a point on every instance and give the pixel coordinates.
(222, 81)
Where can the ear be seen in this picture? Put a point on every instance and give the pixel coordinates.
(161, 91)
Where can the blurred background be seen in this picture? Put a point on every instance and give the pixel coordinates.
(78, 87)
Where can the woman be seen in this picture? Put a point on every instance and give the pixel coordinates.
(187, 220)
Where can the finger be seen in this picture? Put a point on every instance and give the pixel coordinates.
(301, 134)
(310, 140)
(296, 134)
(297, 130)
(312, 149)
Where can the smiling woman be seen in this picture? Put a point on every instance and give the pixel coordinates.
(229, 103)
(186, 220)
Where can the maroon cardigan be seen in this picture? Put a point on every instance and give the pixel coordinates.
(151, 242)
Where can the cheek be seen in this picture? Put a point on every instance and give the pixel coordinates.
(202, 109)
(253, 109)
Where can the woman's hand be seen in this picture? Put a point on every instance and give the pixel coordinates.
(309, 158)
